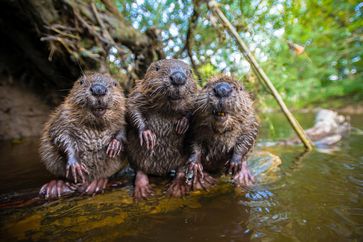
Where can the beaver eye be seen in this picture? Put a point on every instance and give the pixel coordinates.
(157, 68)
(81, 81)
(189, 72)
(114, 84)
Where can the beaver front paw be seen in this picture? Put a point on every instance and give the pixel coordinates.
(55, 189)
(194, 172)
(77, 171)
(147, 137)
(114, 148)
(233, 167)
(182, 125)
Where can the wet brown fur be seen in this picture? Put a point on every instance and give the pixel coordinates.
(216, 141)
(150, 107)
(73, 123)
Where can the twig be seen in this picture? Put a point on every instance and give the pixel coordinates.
(110, 6)
(60, 40)
(189, 39)
(59, 26)
(58, 31)
(88, 27)
(261, 74)
(106, 34)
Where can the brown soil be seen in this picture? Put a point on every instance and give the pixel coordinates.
(22, 113)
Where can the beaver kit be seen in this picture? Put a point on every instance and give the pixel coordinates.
(224, 131)
(158, 112)
(82, 140)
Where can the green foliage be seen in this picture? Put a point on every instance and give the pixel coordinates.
(330, 31)
(206, 71)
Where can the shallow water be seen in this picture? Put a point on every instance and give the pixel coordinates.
(317, 197)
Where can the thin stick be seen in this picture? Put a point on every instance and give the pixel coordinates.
(213, 5)
(106, 34)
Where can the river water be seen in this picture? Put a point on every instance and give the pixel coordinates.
(316, 197)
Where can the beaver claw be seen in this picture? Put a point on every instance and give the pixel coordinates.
(142, 187)
(243, 177)
(114, 148)
(204, 181)
(234, 167)
(194, 172)
(149, 138)
(142, 192)
(182, 125)
(96, 186)
(178, 188)
(77, 171)
(55, 189)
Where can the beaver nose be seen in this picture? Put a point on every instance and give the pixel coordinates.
(98, 90)
(178, 78)
(223, 89)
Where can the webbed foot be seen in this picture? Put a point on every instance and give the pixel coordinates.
(244, 177)
(94, 187)
(203, 182)
(196, 178)
(178, 187)
(143, 189)
(55, 189)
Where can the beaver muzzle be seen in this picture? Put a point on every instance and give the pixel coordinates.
(220, 115)
(99, 112)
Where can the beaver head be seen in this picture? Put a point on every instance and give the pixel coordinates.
(223, 103)
(96, 96)
(169, 84)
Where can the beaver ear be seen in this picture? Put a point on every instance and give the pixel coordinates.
(157, 67)
(207, 85)
(240, 87)
(154, 66)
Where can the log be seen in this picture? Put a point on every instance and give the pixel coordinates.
(328, 130)
(35, 219)
(263, 165)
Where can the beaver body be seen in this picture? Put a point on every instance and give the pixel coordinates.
(83, 138)
(224, 131)
(159, 109)
(167, 154)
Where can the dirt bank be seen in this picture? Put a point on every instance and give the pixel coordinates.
(22, 113)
